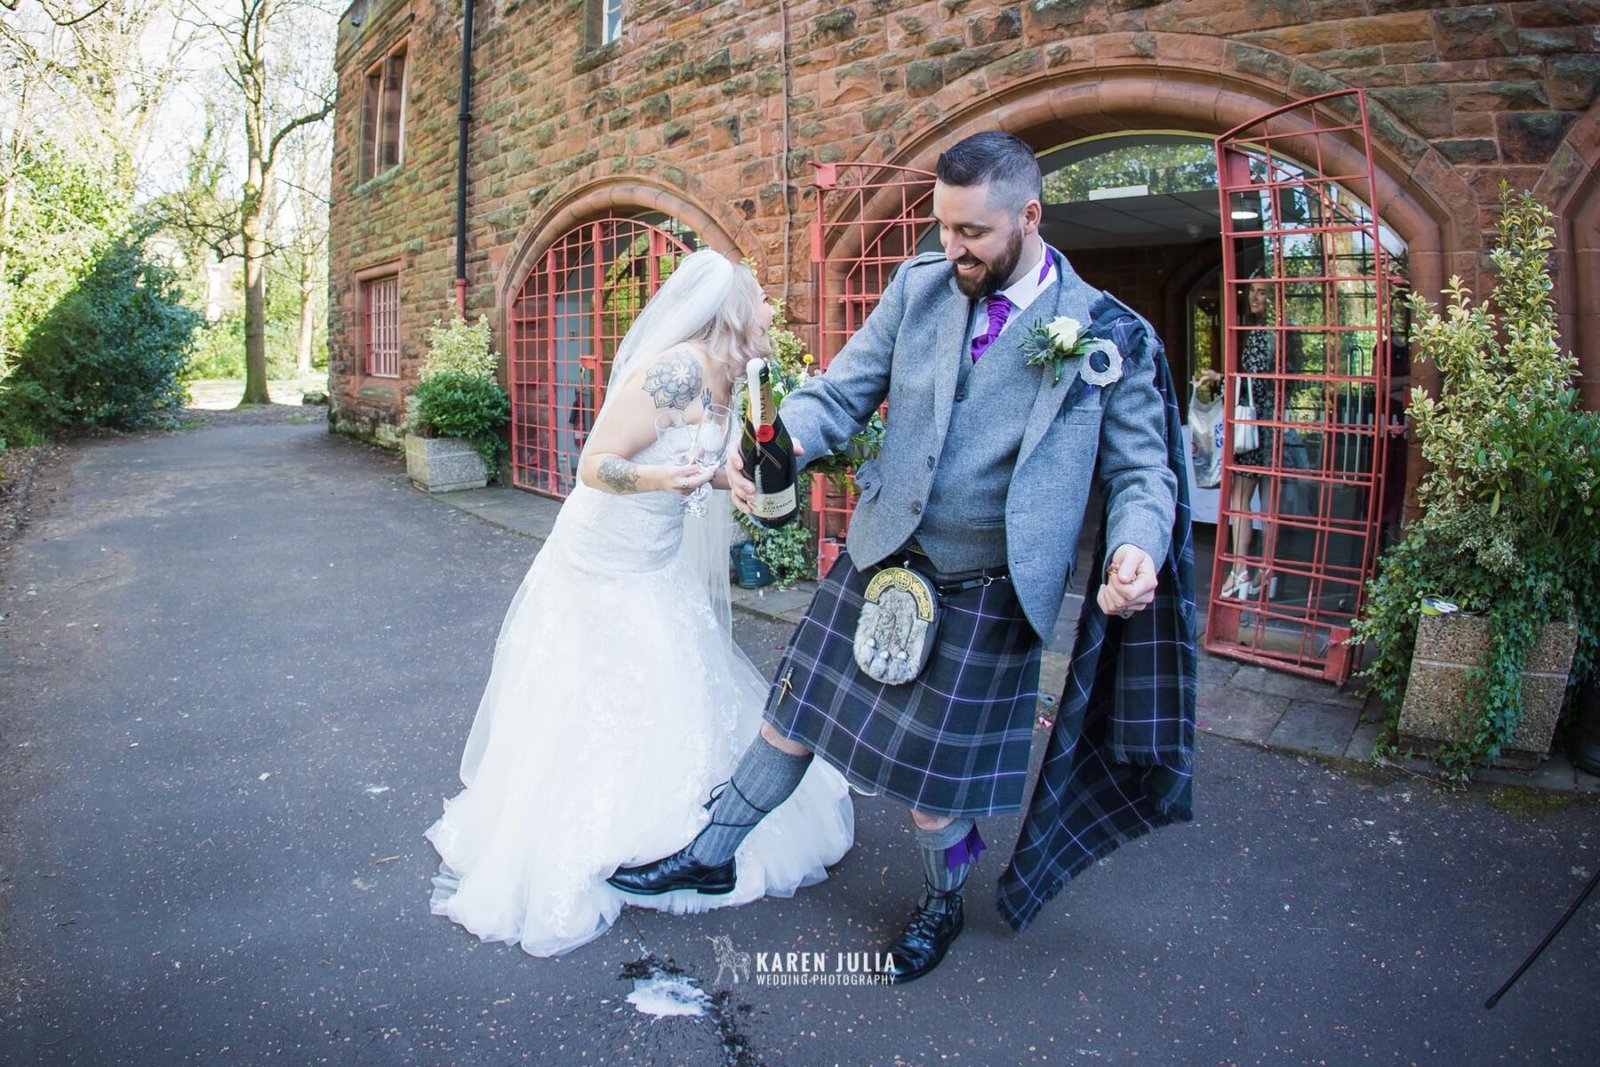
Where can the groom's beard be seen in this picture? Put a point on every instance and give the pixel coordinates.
(994, 276)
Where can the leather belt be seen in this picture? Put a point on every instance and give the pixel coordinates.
(948, 583)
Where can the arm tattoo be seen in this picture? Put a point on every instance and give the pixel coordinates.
(674, 382)
(705, 399)
(620, 474)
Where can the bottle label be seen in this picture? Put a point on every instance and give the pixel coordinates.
(772, 505)
(765, 433)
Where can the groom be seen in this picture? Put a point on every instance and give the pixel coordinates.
(981, 485)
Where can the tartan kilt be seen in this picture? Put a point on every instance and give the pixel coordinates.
(953, 742)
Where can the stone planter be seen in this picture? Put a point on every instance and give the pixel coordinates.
(1448, 648)
(443, 464)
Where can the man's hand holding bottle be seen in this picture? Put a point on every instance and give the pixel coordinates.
(762, 472)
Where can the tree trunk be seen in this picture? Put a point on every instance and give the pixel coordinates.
(8, 200)
(8, 204)
(255, 314)
(308, 313)
(253, 234)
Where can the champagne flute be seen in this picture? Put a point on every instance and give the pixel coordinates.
(678, 436)
(710, 452)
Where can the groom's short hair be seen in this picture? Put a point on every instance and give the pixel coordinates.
(1002, 161)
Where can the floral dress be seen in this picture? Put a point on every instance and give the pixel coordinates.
(1257, 358)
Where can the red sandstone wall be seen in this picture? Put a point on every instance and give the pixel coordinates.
(687, 114)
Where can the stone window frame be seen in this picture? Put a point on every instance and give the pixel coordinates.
(377, 114)
(602, 23)
(596, 49)
(368, 280)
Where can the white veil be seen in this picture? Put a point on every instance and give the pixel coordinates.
(686, 301)
(681, 308)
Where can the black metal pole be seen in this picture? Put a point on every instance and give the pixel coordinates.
(461, 161)
(1551, 936)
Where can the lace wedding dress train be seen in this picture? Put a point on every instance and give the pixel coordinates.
(616, 702)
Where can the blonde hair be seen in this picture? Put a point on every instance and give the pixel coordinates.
(735, 334)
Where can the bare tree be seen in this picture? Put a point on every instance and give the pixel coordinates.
(276, 54)
(302, 227)
(103, 62)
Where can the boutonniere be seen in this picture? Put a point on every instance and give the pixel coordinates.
(1051, 343)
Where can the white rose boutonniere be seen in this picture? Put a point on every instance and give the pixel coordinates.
(1050, 343)
(1064, 331)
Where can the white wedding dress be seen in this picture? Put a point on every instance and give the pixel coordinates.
(616, 703)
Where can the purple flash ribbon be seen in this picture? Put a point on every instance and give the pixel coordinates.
(967, 850)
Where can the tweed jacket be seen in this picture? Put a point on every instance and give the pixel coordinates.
(908, 353)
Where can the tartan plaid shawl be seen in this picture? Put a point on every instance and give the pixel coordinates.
(1120, 757)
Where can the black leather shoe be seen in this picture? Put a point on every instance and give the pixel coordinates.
(932, 930)
(677, 871)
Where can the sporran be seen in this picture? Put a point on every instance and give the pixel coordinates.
(898, 625)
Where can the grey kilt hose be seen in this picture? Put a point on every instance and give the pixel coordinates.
(953, 742)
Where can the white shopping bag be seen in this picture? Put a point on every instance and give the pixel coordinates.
(1205, 434)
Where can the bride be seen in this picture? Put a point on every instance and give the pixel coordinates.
(617, 699)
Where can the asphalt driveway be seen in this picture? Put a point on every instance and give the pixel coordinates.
(237, 665)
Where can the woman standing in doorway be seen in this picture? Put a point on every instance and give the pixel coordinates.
(1257, 356)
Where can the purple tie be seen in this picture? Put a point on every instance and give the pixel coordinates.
(999, 312)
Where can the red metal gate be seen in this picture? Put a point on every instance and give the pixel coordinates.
(870, 218)
(566, 323)
(1298, 228)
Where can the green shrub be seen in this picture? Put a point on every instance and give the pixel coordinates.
(1509, 526)
(453, 404)
(109, 353)
(787, 551)
(218, 349)
(457, 395)
(66, 212)
(460, 348)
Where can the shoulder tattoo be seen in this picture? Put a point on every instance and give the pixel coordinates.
(620, 474)
(674, 382)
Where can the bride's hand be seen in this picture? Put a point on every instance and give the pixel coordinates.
(683, 480)
(732, 478)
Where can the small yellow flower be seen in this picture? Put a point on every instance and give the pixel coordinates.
(808, 359)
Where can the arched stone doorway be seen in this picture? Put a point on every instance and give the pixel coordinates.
(1156, 243)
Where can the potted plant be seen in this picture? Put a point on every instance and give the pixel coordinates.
(456, 415)
(1491, 601)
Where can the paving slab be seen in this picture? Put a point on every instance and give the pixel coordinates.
(1241, 714)
(1554, 772)
(1365, 738)
(1297, 687)
(1315, 728)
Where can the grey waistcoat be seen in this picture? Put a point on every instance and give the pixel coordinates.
(964, 521)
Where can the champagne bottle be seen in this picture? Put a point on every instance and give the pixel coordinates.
(767, 452)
